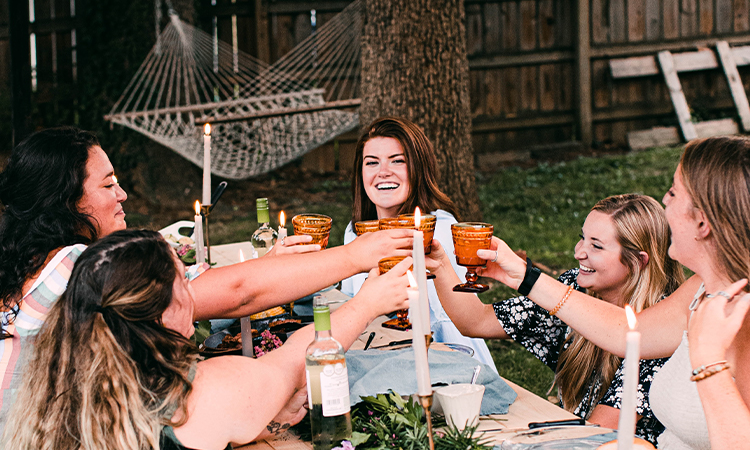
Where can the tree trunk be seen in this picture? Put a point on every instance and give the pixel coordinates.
(414, 65)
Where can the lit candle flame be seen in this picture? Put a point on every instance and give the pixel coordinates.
(631, 317)
(242, 256)
(282, 219)
(412, 280)
(114, 178)
(197, 207)
(417, 218)
(207, 129)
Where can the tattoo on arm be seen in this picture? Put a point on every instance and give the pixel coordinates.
(277, 428)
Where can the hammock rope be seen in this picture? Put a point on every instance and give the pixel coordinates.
(262, 115)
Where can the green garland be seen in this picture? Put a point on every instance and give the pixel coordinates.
(387, 421)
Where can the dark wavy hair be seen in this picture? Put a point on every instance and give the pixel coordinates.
(420, 162)
(40, 189)
(106, 373)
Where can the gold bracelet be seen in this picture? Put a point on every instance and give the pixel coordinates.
(710, 370)
(556, 309)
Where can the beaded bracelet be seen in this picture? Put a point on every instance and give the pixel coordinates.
(562, 301)
(708, 370)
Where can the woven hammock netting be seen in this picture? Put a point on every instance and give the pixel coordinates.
(262, 115)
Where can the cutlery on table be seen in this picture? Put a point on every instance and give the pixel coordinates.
(369, 340)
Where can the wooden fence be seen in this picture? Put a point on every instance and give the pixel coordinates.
(539, 75)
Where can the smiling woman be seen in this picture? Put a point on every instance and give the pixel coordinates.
(623, 260)
(394, 172)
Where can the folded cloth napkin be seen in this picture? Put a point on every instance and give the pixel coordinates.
(375, 372)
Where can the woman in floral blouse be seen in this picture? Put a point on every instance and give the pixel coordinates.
(623, 260)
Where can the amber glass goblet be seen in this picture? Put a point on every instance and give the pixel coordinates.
(468, 237)
(404, 221)
(366, 226)
(316, 225)
(426, 225)
(401, 322)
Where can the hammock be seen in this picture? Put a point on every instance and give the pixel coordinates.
(262, 115)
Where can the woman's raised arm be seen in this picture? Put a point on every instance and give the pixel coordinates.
(602, 323)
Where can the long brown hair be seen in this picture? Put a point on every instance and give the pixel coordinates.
(105, 372)
(716, 175)
(640, 226)
(420, 161)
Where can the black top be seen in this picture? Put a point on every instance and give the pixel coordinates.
(544, 336)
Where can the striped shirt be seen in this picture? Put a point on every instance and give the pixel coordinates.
(30, 314)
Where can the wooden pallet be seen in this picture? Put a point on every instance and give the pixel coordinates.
(669, 65)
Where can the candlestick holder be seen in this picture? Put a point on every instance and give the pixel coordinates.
(205, 211)
(426, 402)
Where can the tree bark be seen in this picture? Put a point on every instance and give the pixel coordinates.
(414, 65)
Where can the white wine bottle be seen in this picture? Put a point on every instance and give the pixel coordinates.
(264, 237)
(327, 385)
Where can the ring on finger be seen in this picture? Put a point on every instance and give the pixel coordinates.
(282, 241)
(719, 294)
(495, 258)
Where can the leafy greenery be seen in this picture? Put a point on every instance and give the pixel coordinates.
(387, 421)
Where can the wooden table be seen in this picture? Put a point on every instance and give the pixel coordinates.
(527, 408)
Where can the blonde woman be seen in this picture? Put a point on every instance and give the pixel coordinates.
(702, 394)
(623, 260)
(108, 374)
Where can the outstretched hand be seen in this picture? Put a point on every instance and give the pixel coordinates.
(715, 324)
(387, 293)
(370, 248)
(290, 245)
(502, 264)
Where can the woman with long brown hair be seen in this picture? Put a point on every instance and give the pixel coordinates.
(107, 372)
(702, 394)
(623, 259)
(395, 170)
(59, 194)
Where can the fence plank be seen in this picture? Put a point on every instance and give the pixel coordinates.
(510, 25)
(512, 97)
(564, 13)
(565, 92)
(492, 28)
(706, 16)
(735, 83)
(724, 19)
(473, 30)
(548, 85)
(652, 19)
(740, 15)
(636, 20)
(529, 88)
(493, 92)
(666, 63)
(671, 15)
(547, 23)
(599, 23)
(688, 18)
(617, 20)
(528, 25)
(600, 80)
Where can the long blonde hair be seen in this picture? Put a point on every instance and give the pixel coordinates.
(641, 226)
(716, 175)
(105, 372)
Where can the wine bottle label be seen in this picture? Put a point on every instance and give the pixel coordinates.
(334, 389)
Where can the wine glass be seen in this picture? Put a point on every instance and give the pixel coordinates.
(366, 226)
(401, 322)
(316, 225)
(468, 237)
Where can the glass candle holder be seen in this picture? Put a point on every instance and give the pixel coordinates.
(366, 226)
(468, 237)
(316, 225)
(401, 322)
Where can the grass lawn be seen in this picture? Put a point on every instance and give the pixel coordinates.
(540, 210)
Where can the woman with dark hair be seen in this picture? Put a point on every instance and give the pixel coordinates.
(623, 259)
(702, 394)
(394, 172)
(108, 373)
(59, 194)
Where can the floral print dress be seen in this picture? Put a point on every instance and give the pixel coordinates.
(544, 336)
